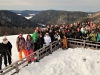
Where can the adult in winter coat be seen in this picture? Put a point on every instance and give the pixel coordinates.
(51, 34)
(98, 36)
(29, 46)
(78, 34)
(40, 41)
(2, 51)
(47, 39)
(93, 36)
(35, 36)
(57, 36)
(7, 54)
(20, 43)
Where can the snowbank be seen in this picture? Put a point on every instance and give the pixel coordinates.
(78, 61)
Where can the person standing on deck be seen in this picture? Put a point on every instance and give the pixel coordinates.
(35, 36)
(20, 44)
(47, 39)
(7, 54)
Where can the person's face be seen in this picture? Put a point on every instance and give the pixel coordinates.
(40, 35)
(4, 39)
(20, 35)
(29, 37)
(92, 32)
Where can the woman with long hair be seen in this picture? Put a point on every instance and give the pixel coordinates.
(29, 45)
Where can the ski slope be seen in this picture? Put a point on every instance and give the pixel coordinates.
(77, 61)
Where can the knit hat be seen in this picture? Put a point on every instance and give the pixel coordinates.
(5, 41)
(4, 37)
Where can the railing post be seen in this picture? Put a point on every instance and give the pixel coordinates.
(60, 43)
(16, 66)
(51, 48)
(37, 53)
(84, 43)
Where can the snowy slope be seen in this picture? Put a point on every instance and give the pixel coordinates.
(78, 61)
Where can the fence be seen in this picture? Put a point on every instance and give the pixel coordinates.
(73, 43)
(39, 54)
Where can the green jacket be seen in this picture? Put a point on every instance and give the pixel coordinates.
(93, 37)
(35, 36)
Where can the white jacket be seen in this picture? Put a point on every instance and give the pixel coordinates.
(47, 40)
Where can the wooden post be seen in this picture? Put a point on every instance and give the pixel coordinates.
(16, 66)
(84, 44)
(37, 53)
(51, 48)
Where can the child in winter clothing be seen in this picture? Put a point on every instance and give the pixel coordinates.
(29, 46)
(20, 43)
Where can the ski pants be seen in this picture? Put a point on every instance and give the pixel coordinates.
(20, 53)
(31, 57)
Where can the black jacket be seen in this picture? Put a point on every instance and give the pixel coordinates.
(8, 46)
(2, 48)
(40, 40)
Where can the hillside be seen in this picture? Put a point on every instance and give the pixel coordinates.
(11, 19)
(94, 17)
(25, 13)
(57, 17)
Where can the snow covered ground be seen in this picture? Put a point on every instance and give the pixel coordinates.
(77, 61)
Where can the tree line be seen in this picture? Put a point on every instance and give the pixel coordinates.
(15, 30)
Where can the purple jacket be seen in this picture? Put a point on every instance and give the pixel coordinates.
(29, 45)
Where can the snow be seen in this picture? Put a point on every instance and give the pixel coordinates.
(76, 61)
(29, 17)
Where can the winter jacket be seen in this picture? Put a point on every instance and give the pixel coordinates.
(2, 48)
(93, 37)
(57, 37)
(47, 40)
(29, 45)
(20, 43)
(98, 37)
(8, 47)
(51, 34)
(40, 40)
(35, 36)
(78, 35)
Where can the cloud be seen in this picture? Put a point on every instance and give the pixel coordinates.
(85, 5)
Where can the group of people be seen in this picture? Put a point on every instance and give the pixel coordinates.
(41, 36)
(86, 31)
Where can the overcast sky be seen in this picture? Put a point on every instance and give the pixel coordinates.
(68, 5)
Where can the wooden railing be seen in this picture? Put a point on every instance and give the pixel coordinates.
(73, 43)
(39, 54)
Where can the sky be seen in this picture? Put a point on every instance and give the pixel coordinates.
(68, 5)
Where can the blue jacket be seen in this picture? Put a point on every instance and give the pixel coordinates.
(98, 37)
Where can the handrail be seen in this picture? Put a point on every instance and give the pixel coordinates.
(37, 54)
(83, 43)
